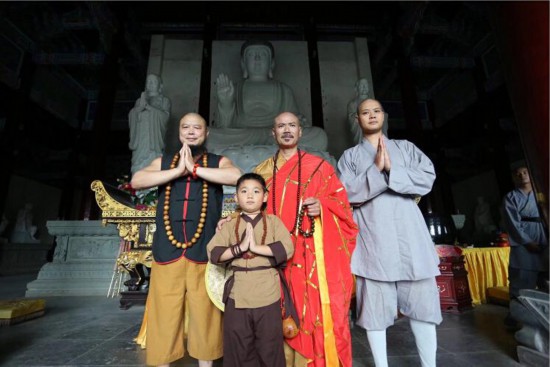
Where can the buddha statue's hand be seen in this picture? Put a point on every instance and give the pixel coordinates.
(142, 101)
(225, 90)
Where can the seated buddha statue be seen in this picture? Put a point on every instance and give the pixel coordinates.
(246, 110)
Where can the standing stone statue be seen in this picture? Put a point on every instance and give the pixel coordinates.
(246, 110)
(362, 92)
(24, 231)
(148, 122)
(483, 218)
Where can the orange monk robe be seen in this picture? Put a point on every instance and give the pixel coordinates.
(319, 273)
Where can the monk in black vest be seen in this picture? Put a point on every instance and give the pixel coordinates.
(189, 206)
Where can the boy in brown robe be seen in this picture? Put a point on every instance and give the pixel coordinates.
(254, 245)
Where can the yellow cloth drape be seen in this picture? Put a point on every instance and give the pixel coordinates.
(331, 354)
(487, 267)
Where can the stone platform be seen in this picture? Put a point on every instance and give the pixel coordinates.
(83, 261)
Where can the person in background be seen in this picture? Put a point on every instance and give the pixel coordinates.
(527, 235)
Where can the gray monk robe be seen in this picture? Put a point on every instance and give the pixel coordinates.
(524, 226)
(393, 242)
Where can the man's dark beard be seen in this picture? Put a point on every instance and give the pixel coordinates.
(198, 150)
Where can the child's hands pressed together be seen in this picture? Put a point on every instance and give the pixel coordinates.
(251, 240)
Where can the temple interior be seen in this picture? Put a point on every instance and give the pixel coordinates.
(466, 82)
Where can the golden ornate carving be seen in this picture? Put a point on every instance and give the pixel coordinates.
(135, 227)
(129, 259)
(114, 209)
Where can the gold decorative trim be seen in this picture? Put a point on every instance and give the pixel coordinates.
(129, 259)
(130, 222)
(113, 209)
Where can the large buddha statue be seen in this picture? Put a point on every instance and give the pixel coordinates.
(148, 122)
(246, 110)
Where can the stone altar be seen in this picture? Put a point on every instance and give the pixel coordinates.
(83, 260)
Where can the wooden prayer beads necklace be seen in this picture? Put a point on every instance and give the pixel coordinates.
(202, 218)
(249, 254)
(299, 211)
(304, 233)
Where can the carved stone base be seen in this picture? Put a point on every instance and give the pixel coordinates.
(532, 310)
(532, 358)
(71, 280)
(83, 262)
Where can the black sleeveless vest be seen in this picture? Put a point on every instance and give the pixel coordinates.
(163, 250)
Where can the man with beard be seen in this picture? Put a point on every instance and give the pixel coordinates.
(395, 261)
(312, 203)
(189, 206)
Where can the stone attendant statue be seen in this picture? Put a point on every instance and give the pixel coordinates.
(254, 103)
(362, 92)
(148, 122)
(483, 218)
(24, 231)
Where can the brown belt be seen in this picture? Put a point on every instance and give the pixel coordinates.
(530, 219)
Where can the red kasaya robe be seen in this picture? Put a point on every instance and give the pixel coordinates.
(319, 273)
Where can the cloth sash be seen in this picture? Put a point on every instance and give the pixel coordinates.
(530, 219)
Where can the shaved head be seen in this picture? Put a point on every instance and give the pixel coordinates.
(193, 116)
(369, 100)
(286, 116)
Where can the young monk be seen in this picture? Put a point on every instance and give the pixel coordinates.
(255, 246)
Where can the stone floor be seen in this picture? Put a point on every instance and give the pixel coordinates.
(93, 331)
